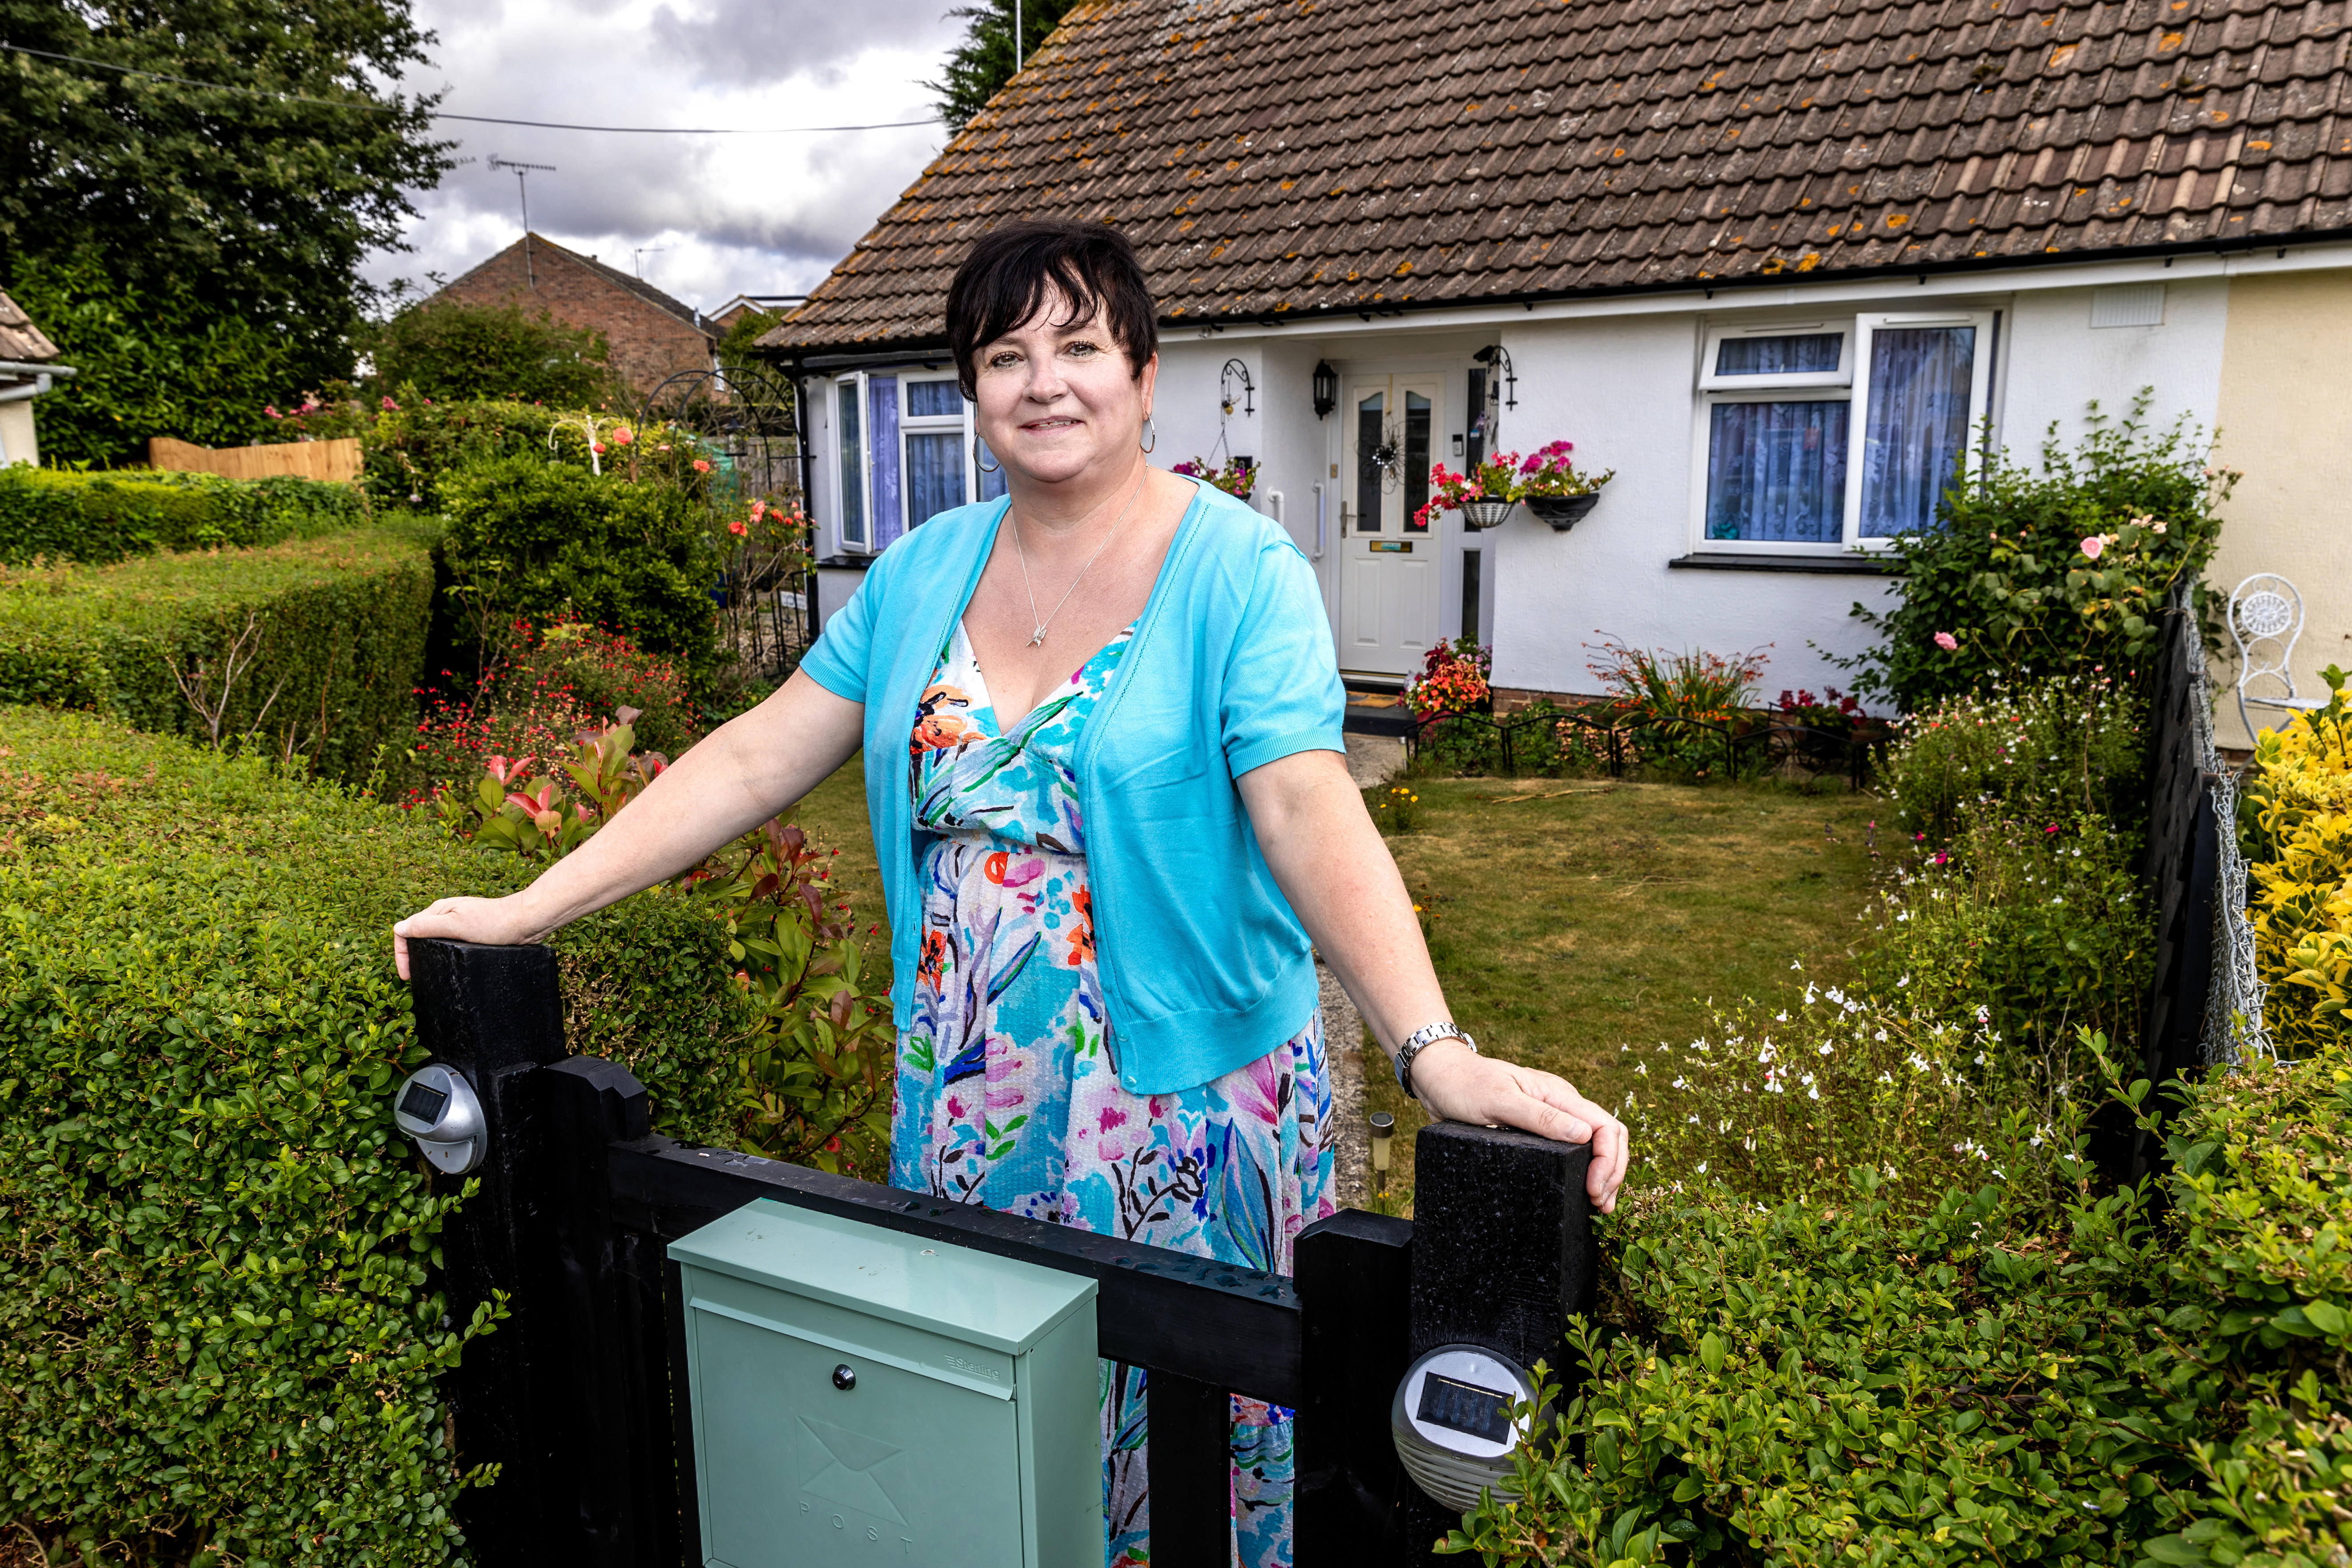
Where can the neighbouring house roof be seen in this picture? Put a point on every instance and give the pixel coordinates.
(1274, 160)
(20, 339)
(644, 290)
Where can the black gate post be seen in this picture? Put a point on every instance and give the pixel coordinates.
(1354, 1276)
(1502, 1252)
(612, 1444)
(495, 1014)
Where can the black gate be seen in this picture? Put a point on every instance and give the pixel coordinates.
(579, 1396)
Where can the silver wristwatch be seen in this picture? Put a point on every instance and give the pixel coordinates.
(1428, 1034)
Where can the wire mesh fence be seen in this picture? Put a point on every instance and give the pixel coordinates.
(2233, 1004)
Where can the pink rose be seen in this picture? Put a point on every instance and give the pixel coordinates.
(1947, 642)
(621, 436)
(737, 529)
(2092, 546)
(389, 405)
(701, 466)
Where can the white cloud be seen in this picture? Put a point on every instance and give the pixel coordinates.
(718, 215)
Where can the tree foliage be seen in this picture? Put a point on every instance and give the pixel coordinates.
(450, 348)
(153, 362)
(227, 222)
(983, 63)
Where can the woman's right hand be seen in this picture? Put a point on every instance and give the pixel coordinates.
(494, 922)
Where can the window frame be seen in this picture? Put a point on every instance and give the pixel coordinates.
(1850, 383)
(911, 424)
(854, 382)
(1867, 325)
(1709, 380)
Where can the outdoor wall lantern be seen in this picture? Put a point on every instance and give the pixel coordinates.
(1326, 388)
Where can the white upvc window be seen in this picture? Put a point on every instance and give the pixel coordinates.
(1836, 434)
(906, 452)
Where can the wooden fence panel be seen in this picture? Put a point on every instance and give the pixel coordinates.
(333, 462)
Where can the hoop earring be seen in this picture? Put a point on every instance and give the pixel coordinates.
(979, 447)
(1154, 430)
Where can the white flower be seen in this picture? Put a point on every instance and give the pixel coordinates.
(1813, 1094)
(1702, 1167)
(1882, 1033)
(1825, 1048)
(1780, 1017)
(1680, 1084)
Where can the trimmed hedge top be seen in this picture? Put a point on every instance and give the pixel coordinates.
(217, 1317)
(96, 518)
(333, 628)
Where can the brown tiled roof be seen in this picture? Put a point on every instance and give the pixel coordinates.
(20, 339)
(1276, 159)
(644, 290)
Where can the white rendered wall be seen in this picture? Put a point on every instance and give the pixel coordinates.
(1622, 390)
(2057, 362)
(17, 441)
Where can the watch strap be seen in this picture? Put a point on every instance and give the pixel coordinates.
(1427, 1036)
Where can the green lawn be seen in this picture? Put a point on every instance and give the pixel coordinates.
(1568, 917)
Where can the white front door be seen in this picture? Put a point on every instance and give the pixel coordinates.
(1388, 561)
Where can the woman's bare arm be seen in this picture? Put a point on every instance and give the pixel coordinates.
(1338, 875)
(739, 777)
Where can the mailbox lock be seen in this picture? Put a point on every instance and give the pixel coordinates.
(436, 1106)
(844, 1377)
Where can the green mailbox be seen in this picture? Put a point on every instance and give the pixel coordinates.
(862, 1396)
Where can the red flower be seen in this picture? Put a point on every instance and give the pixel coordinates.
(389, 405)
(701, 465)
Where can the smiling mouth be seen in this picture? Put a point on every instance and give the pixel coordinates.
(1056, 422)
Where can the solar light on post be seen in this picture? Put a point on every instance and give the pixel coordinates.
(1383, 1129)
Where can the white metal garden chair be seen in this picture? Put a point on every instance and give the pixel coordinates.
(2265, 617)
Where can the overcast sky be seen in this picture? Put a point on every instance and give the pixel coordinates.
(718, 215)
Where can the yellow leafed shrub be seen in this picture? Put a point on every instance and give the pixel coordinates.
(2301, 801)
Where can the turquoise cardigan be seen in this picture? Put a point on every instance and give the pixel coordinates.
(1205, 966)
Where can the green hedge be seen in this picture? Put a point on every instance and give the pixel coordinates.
(217, 1327)
(335, 630)
(97, 518)
(545, 543)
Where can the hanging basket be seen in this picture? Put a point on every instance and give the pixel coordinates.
(1486, 512)
(1563, 512)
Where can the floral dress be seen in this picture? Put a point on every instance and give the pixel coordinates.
(1006, 1094)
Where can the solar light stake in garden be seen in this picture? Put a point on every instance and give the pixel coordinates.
(1383, 1129)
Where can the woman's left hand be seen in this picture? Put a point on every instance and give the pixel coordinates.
(1458, 1085)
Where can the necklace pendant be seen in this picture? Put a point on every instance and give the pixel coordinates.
(1037, 638)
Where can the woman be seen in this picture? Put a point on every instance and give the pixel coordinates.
(1123, 811)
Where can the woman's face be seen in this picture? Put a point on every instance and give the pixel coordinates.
(1056, 397)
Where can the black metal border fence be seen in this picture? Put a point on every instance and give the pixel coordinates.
(1680, 746)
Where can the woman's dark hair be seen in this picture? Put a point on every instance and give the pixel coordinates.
(1005, 281)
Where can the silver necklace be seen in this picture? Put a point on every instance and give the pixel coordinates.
(1037, 637)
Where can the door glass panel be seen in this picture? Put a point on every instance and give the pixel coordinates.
(853, 465)
(1476, 435)
(934, 471)
(1416, 463)
(1370, 413)
(1917, 425)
